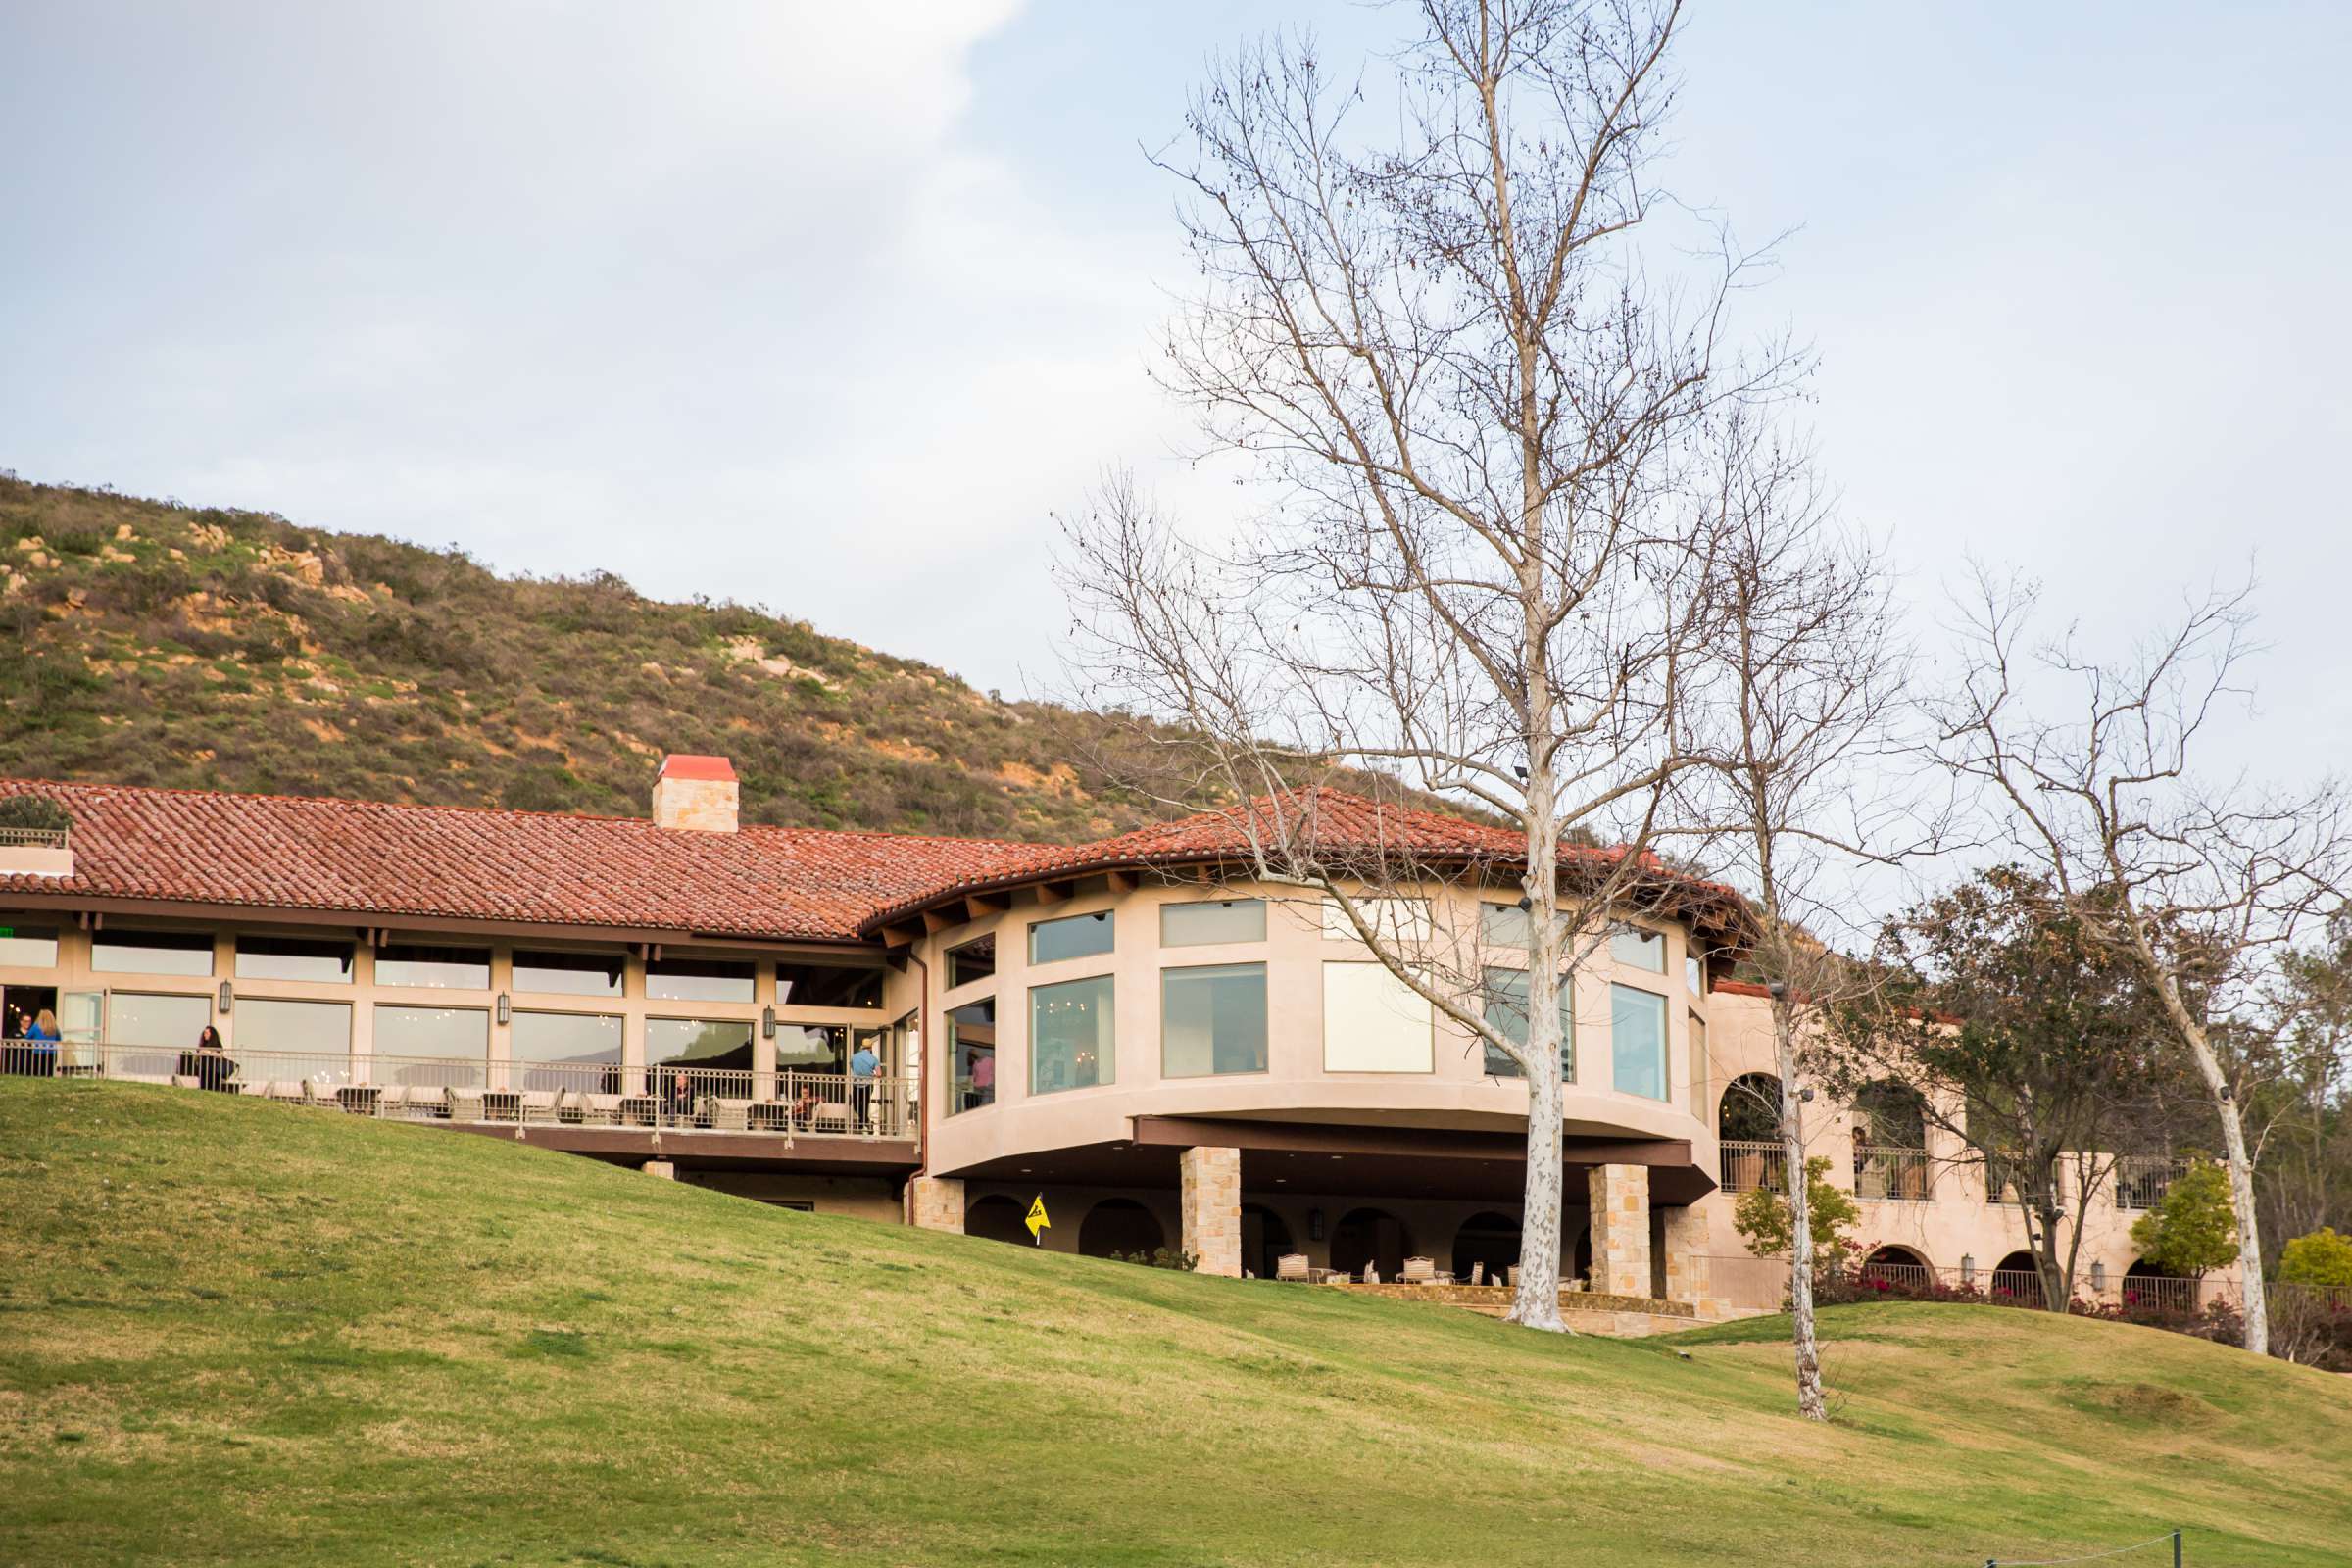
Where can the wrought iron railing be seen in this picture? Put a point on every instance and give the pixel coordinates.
(35, 838)
(1893, 1175)
(2142, 1179)
(786, 1103)
(1747, 1164)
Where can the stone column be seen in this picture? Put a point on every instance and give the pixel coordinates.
(935, 1203)
(1689, 1235)
(665, 1170)
(1212, 1209)
(1620, 1229)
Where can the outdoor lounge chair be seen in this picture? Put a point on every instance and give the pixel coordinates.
(539, 1105)
(465, 1105)
(1291, 1266)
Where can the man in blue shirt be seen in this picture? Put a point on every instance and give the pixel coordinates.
(864, 1064)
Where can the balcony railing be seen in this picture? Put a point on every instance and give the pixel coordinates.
(1893, 1175)
(1748, 1164)
(35, 838)
(785, 1104)
(2142, 1179)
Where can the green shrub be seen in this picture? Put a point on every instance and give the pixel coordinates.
(2194, 1229)
(2322, 1258)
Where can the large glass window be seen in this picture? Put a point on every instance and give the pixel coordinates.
(974, 961)
(1193, 925)
(1506, 925)
(1374, 1022)
(136, 1019)
(1212, 1019)
(1638, 1041)
(293, 959)
(1070, 1036)
(1694, 975)
(579, 1051)
(700, 980)
(570, 974)
(318, 1031)
(456, 1033)
(1397, 921)
(812, 1048)
(827, 985)
(972, 1056)
(28, 946)
(566, 1039)
(706, 1042)
(1077, 936)
(1637, 949)
(432, 967)
(152, 952)
(1506, 1013)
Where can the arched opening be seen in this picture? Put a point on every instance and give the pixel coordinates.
(1890, 1141)
(1265, 1237)
(1370, 1236)
(1750, 1110)
(997, 1218)
(2149, 1288)
(1897, 1269)
(1120, 1226)
(1489, 1242)
(2017, 1277)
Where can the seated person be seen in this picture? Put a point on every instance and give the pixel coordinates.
(804, 1107)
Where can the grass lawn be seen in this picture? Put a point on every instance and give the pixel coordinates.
(244, 1333)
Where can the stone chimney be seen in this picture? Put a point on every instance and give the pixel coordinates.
(696, 793)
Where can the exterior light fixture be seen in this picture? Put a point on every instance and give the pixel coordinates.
(767, 1023)
(1968, 1268)
(228, 996)
(506, 1007)
(2099, 1276)
(1777, 990)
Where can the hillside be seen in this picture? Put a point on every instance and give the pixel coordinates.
(157, 644)
(245, 1333)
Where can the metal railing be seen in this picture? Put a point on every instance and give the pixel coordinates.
(2142, 1179)
(36, 838)
(1747, 1164)
(1893, 1175)
(785, 1104)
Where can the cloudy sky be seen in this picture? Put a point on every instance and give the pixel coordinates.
(780, 302)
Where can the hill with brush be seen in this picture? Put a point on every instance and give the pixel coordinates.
(152, 643)
(248, 1333)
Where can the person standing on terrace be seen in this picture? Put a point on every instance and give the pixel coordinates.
(864, 1064)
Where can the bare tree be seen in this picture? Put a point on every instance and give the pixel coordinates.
(1480, 418)
(1804, 686)
(2206, 882)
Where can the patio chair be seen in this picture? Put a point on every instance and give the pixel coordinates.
(1478, 1273)
(1291, 1266)
(465, 1105)
(730, 1115)
(830, 1117)
(1419, 1271)
(293, 1091)
(539, 1105)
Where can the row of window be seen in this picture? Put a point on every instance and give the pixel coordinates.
(1213, 1022)
(434, 966)
(1242, 920)
(322, 1029)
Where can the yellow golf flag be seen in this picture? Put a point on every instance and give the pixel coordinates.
(1037, 1221)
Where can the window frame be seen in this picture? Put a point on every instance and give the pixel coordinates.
(1265, 1041)
(1107, 920)
(1106, 1038)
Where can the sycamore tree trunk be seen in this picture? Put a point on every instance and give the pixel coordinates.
(1809, 1404)
(1538, 1303)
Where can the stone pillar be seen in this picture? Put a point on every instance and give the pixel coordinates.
(935, 1203)
(662, 1168)
(1689, 1235)
(1212, 1209)
(1620, 1229)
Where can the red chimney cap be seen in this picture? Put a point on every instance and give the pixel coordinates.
(679, 764)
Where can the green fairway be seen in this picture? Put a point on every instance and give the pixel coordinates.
(243, 1333)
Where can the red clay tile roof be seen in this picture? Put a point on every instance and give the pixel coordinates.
(788, 883)
(364, 857)
(1338, 827)
(690, 766)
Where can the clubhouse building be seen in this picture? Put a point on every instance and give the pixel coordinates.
(946, 1031)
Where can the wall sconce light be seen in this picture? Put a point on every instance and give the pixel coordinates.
(1968, 1268)
(506, 1009)
(2099, 1276)
(1314, 1224)
(767, 1023)
(228, 996)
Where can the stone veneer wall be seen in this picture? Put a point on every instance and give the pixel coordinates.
(1620, 1230)
(1211, 1207)
(935, 1203)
